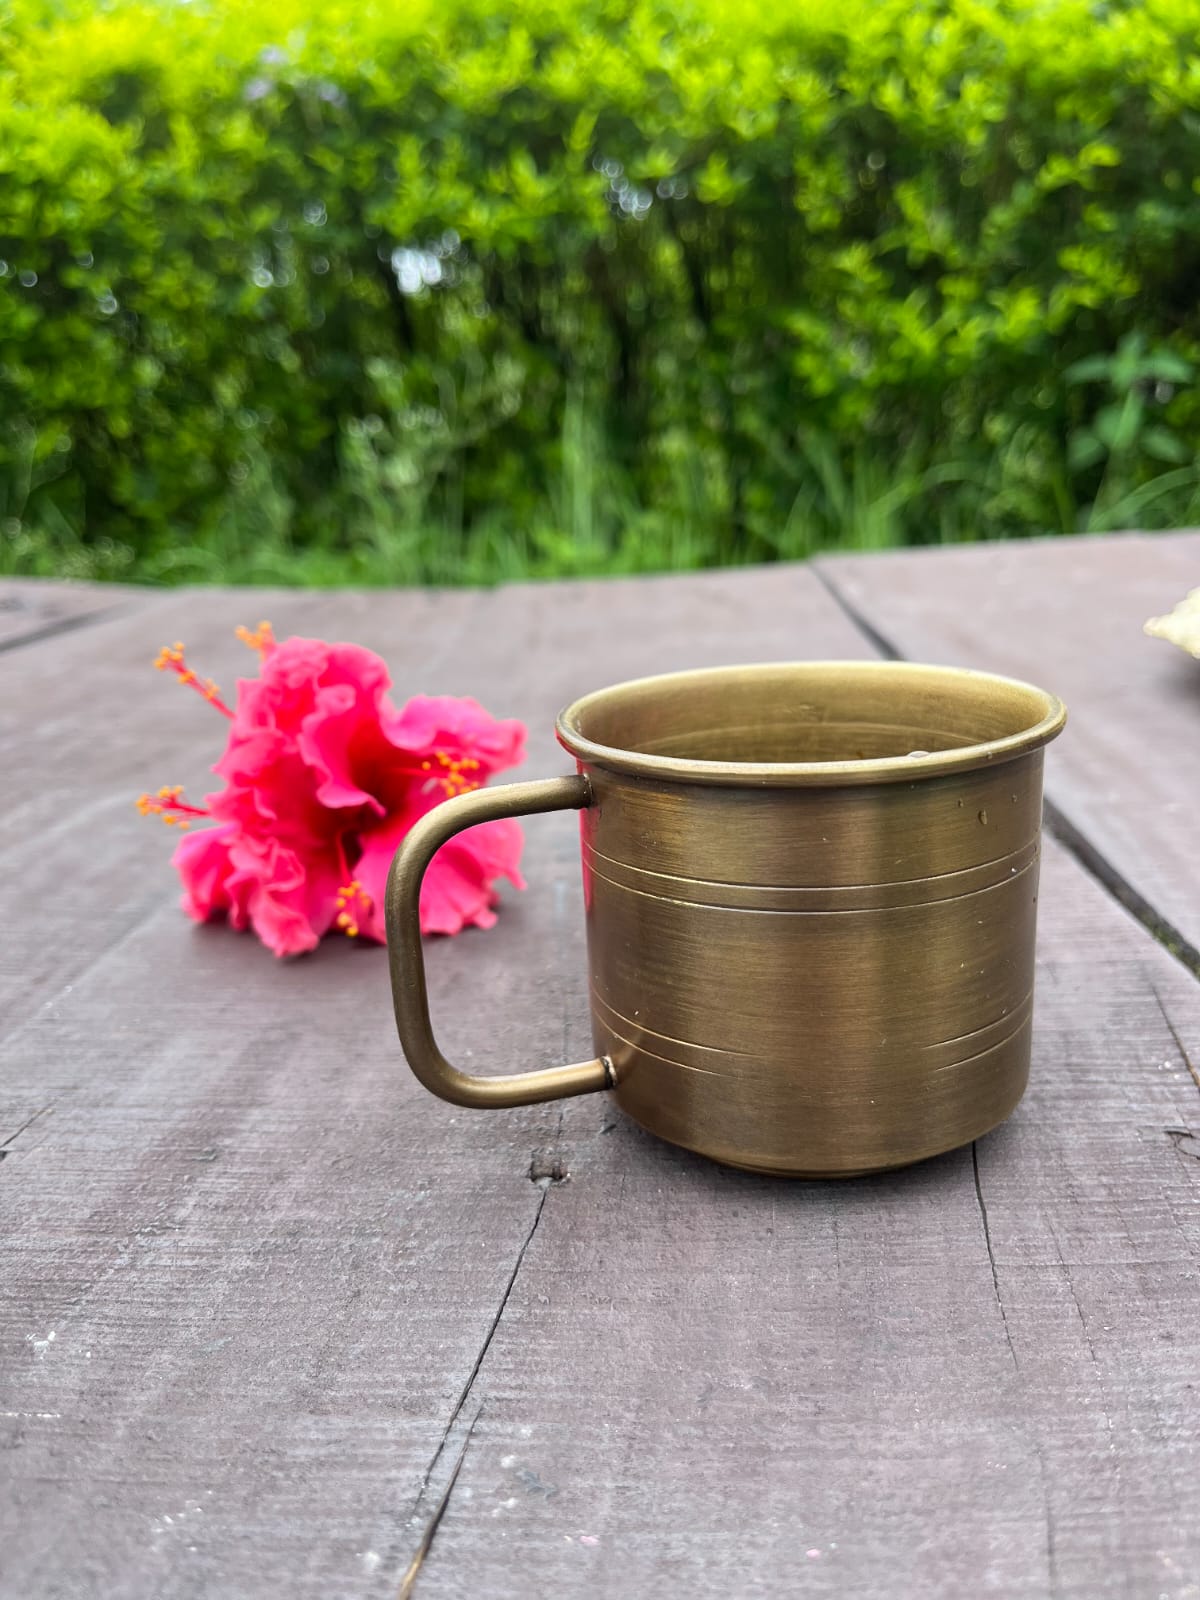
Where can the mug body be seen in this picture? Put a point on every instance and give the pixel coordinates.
(811, 895)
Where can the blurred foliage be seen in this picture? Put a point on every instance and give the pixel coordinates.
(453, 291)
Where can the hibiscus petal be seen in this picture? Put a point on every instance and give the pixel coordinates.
(316, 753)
(294, 899)
(202, 861)
(249, 751)
(327, 742)
(284, 929)
(290, 671)
(495, 849)
(458, 889)
(259, 883)
(460, 728)
(371, 870)
(455, 894)
(273, 709)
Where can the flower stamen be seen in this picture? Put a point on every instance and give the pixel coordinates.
(172, 659)
(261, 639)
(353, 904)
(171, 807)
(456, 776)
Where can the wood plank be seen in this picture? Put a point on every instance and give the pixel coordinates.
(35, 608)
(976, 1376)
(1068, 614)
(270, 1262)
(91, 704)
(86, 725)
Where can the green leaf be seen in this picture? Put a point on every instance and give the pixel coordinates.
(1084, 450)
(1117, 425)
(1090, 370)
(1167, 367)
(1164, 445)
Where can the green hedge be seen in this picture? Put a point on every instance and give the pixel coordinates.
(365, 256)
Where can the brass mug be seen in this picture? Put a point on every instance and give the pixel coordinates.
(811, 894)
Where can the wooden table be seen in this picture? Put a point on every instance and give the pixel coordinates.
(274, 1321)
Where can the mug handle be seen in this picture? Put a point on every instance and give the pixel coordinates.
(409, 994)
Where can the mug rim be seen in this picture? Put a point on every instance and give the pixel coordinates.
(819, 774)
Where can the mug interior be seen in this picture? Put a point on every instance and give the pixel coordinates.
(810, 720)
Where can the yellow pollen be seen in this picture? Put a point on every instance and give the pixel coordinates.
(345, 919)
(261, 639)
(163, 804)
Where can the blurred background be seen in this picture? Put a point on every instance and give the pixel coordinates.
(314, 292)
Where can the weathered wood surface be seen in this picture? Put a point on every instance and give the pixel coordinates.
(958, 1380)
(268, 1260)
(86, 725)
(1069, 613)
(291, 1295)
(33, 608)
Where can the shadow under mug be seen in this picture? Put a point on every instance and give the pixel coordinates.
(811, 894)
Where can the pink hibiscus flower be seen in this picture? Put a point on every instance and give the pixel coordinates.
(323, 778)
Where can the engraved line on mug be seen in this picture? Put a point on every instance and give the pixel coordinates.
(637, 1026)
(812, 911)
(1018, 1013)
(1023, 853)
(670, 1061)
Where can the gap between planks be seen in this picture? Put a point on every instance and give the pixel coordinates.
(1056, 823)
(85, 619)
(433, 1520)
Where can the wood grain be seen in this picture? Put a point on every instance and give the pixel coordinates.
(1068, 614)
(34, 608)
(86, 724)
(251, 1268)
(974, 1377)
(300, 1309)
